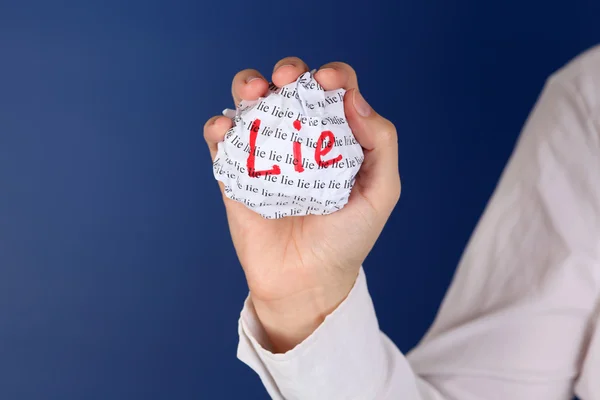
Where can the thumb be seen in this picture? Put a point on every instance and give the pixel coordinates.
(378, 178)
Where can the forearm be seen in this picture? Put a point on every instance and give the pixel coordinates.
(347, 357)
(289, 321)
(497, 356)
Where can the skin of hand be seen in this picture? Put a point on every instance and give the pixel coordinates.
(299, 269)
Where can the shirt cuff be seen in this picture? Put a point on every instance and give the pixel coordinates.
(343, 358)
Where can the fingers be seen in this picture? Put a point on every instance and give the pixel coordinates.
(214, 132)
(287, 70)
(378, 178)
(336, 75)
(248, 84)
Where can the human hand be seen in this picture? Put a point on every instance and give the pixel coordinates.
(299, 269)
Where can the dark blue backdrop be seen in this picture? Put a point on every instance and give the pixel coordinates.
(118, 279)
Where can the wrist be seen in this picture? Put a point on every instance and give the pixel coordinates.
(289, 321)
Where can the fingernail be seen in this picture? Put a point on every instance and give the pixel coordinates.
(284, 65)
(361, 105)
(251, 78)
(212, 121)
(324, 69)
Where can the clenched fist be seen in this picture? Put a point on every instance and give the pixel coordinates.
(299, 269)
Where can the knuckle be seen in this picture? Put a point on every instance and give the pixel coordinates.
(348, 68)
(209, 125)
(342, 66)
(388, 131)
(238, 81)
(289, 60)
(242, 75)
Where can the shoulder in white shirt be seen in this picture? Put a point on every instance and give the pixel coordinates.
(520, 320)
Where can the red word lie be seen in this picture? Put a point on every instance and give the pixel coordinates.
(297, 151)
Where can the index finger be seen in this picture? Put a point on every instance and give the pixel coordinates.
(248, 84)
(214, 132)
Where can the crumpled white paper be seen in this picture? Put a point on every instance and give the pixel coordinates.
(290, 153)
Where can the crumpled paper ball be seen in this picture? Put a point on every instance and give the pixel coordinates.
(290, 153)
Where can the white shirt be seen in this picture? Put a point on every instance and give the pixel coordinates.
(520, 320)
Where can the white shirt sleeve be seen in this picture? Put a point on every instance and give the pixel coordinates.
(519, 320)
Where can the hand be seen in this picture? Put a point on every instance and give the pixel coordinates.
(299, 269)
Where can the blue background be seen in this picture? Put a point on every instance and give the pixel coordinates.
(118, 279)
